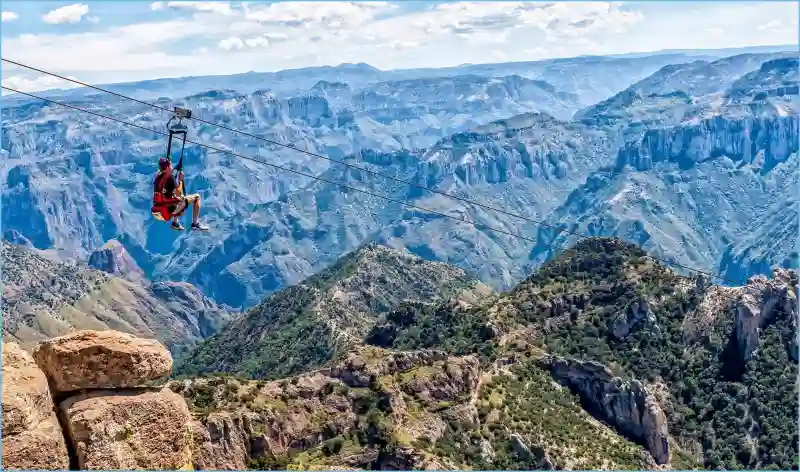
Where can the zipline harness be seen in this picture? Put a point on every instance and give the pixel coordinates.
(163, 204)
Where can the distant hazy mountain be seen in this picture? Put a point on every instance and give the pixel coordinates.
(682, 161)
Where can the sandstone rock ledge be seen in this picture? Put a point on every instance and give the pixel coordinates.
(101, 359)
(129, 429)
(32, 437)
(106, 417)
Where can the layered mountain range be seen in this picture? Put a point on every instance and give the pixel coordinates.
(45, 298)
(695, 161)
(600, 358)
(377, 335)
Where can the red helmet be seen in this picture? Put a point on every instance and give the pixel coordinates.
(163, 163)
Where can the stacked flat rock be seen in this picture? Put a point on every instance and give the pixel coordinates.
(111, 418)
(102, 359)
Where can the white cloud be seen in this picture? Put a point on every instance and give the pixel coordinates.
(771, 26)
(131, 48)
(155, 6)
(67, 14)
(315, 15)
(222, 8)
(210, 41)
(42, 82)
(9, 16)
(257, 42)
(715, 31)
(231, 43)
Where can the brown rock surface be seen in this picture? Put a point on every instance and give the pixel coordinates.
(32, 438)
(129, 429)
(762, 300)
(223, 443)
(102, 359)
(626, 405)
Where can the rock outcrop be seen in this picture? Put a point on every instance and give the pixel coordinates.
(637, 314)
(102, 359)
(626, 405)
(251, 420)
(222, 442)
(535, 455)
(32, 437)
(87, 406)
(129, 429)
(114, 259)
(762, 300)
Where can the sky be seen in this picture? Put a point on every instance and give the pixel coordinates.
(124, 41)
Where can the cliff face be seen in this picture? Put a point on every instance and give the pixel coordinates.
(529, 146)
(763, 142)
(760, 302)
(626, 405)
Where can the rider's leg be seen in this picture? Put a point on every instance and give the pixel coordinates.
(196, 209)
(195, 200)
(177, 213)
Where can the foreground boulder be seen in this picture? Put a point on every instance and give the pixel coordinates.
(32, 437)
(102, 359)
(129, 429)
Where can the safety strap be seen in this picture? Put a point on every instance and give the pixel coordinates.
(181, 129)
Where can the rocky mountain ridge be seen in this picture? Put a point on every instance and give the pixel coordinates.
(591, 77)
(43, 298)
(323, 316)
(601, 320)
(602, 358)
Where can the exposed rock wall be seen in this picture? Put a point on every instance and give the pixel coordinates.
(302, 412)
(738, 138)
(761, 301)
(626, 405)
(113, 259)
(32, 437)
(88, 405)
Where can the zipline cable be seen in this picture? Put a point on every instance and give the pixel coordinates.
(367, 192)
(362, 169)
(664, 261)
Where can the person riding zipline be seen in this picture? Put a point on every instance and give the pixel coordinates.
(169, 201)
(168, 204)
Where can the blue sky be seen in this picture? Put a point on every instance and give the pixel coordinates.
(116, 41)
